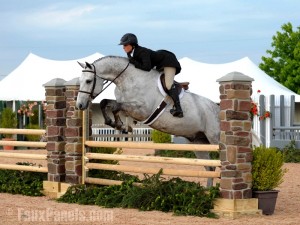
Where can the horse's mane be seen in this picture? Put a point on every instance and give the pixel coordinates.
(109, 56)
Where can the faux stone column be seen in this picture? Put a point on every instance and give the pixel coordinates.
(235, 146)
(73, 134)
(55, 122)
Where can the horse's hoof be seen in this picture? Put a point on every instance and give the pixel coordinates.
(119, 126)
(108, 122)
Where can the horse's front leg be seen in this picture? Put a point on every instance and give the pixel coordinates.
(109, 104)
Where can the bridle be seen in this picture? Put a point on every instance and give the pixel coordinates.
(94, 81)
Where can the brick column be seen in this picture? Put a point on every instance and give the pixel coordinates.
(235, 146)
(73, 134)
(55, 122)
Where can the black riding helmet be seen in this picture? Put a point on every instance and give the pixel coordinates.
(129, 39)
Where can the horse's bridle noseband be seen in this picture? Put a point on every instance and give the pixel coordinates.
(94, 81)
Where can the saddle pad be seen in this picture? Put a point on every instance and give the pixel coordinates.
(162, 91)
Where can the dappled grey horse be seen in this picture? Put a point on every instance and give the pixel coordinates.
(138, 95)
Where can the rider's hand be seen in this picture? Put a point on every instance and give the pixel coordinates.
(132, 60)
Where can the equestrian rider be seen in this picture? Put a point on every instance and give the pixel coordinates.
(146, 59)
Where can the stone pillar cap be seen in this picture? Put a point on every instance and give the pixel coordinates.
(73, 82)
(235, 76)
(56, 82)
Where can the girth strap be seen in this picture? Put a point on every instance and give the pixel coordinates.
(156, 113)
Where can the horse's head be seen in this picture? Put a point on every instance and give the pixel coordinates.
(90, 85)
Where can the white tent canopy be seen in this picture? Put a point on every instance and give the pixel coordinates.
(26, 81)
(203, 77)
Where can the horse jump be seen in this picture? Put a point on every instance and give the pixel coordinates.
(137, 95)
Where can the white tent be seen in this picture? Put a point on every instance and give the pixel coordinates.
(203, 76)
(26, 81)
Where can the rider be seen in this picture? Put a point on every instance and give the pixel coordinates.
(146, 59)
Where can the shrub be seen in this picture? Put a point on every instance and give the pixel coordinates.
(175, 195)
(291, 153)
(31, 137)
(160, 137)
(8, 120)
(267, 171)
(22, 182)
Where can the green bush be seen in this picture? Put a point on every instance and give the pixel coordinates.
(8, 120)
(291, 153)
(22, 182)
(175, 195)
(31, 137)
(267, 171)
(160, 137)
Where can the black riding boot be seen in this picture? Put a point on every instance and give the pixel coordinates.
(176, 111)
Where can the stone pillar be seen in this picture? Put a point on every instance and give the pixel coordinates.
(55, 122)
(73, 134)
(235, 146)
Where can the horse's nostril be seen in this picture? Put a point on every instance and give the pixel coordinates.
(79, 106)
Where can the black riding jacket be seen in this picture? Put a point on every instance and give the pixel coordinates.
(146, 59)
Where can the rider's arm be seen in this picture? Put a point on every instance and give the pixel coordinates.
(142, 60)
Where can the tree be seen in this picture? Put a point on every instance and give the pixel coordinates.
(284, 61)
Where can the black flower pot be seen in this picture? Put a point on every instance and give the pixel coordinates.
(266, 200)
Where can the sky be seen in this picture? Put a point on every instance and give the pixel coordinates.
(209, 31)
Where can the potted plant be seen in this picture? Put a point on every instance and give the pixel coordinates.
(8, 120)
(267, 175)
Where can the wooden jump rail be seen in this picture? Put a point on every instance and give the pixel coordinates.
(22, 131)
(153, 159)
(147, 145)
(171, 172)
(23, 155)
(23, 143)
(24, 168)
(147, 159)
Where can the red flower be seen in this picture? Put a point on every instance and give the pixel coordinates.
(254, 110)
(266, 115)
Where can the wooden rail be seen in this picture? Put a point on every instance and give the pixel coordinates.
(171, 172)
(153, 159)
(23, 155)
(24, 143)
(24, 168)
(147, 145)
(22, 131)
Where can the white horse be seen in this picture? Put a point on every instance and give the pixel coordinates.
(138, 95)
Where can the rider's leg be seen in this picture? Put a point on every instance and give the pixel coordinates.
(172, 91)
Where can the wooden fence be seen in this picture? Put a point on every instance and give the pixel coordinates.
(23, 155)
(146, 159)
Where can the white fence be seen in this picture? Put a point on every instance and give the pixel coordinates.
(105, 133)
(279, 130)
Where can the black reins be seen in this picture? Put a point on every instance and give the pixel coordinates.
(94, 81)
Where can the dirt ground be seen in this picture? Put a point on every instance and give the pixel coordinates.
(18, 209)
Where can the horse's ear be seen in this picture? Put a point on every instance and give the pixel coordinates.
(88, 65)
(81, 64)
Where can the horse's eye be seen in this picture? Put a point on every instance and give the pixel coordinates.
(89, 81)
